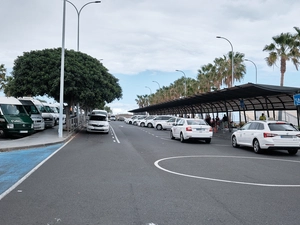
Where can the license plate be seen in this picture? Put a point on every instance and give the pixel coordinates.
(287, 136)
(23, 131)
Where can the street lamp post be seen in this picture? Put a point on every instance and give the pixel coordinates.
(255, 69)
(231, 58)
(184, 81)
(157, 83)
(78, 17)
(149, 89)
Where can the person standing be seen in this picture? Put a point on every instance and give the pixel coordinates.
(262, 117)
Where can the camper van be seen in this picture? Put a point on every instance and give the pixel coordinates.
(47, 116)
(14, 119)
(35, 114)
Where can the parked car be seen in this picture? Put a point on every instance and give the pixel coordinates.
(98, 122)
(187, 129)
(137, 120)
(112, 118)
(168, 124)
(157, 121)
(261, 135)
(143, 122)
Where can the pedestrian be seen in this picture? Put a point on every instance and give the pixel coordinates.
(262, 117)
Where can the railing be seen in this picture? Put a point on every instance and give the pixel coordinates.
(73, 123)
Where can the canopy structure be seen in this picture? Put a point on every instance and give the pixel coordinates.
(247, 97)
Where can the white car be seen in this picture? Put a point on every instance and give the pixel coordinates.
(188, 129)
(143, 122)
(263, 134)
(168, 124)
(156, 122)
(98, 123)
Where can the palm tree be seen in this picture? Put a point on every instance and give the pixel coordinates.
(2, 76)
(284, 48)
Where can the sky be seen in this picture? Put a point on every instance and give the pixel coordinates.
(141, 41)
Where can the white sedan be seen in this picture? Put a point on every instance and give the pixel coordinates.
(187, 129)
(263, 134)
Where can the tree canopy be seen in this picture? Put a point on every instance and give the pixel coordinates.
(86, 80)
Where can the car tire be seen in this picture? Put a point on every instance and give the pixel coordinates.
(171, 135)
(234, 142)
(149, 125)
(182, 138)
(256, 147)
(293, 151)
(142, 124)
(208, 140)
(158, 127)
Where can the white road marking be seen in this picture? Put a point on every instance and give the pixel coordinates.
(112, 129)
(225, 181)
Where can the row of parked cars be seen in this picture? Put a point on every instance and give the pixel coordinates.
(24, 116)
(260, 135)
(180, 128)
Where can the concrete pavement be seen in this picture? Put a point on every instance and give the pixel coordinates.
(41, 138)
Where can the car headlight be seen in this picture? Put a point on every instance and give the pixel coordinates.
(10, 126)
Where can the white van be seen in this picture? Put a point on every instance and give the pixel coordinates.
(35, 114)
(98, 122)
(14, 119)
(47, 116)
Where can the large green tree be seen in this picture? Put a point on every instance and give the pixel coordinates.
(284, 48)
(86, 80)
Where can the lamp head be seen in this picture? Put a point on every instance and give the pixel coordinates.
(97, 1)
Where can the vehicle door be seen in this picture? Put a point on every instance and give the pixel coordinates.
(169, 123)
(242, 133)
(177, 128)
(251, 132)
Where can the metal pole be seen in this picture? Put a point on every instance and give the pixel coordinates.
(255, 69)
(149, 89)
(184, 80)
(157, 83)
(61, 92)
(231, 59)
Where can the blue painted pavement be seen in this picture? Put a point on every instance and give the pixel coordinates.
(16, 164)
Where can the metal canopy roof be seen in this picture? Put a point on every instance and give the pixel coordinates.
(247, 97)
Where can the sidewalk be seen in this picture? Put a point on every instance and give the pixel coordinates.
(41, 138)
(223, 133)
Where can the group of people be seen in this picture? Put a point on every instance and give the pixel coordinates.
(216, 122)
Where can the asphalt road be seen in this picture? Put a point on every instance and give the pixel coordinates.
(139, 176)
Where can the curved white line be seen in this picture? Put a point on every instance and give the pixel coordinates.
(220, 180)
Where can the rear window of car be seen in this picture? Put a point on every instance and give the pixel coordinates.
(98, 118)
(196, 122)
(281, 127)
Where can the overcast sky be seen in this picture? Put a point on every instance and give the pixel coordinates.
(141, 41)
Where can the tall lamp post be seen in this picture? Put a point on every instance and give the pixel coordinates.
(184, 80)
(60, 127)
(149, 89)
(255, 69)
(231, 58)
(78, 17)
(157, 83)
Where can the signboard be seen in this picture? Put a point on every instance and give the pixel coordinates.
(297, 99)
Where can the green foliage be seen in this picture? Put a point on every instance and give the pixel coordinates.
(2, 76)
(86, 80)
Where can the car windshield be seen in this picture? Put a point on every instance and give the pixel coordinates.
(98, 118)
(196, 122)
(281, 127)
(9, 109)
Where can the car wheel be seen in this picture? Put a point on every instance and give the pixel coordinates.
(159, 127)
(234, 142)
(182, 138)
(130, 122)
(149, 125)
(207, 141)
(256, 147)
(171, 135)
(142, 124)
(293, 151)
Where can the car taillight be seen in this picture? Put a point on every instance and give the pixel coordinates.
(210, 129)
(188, 128)
(266, 135)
